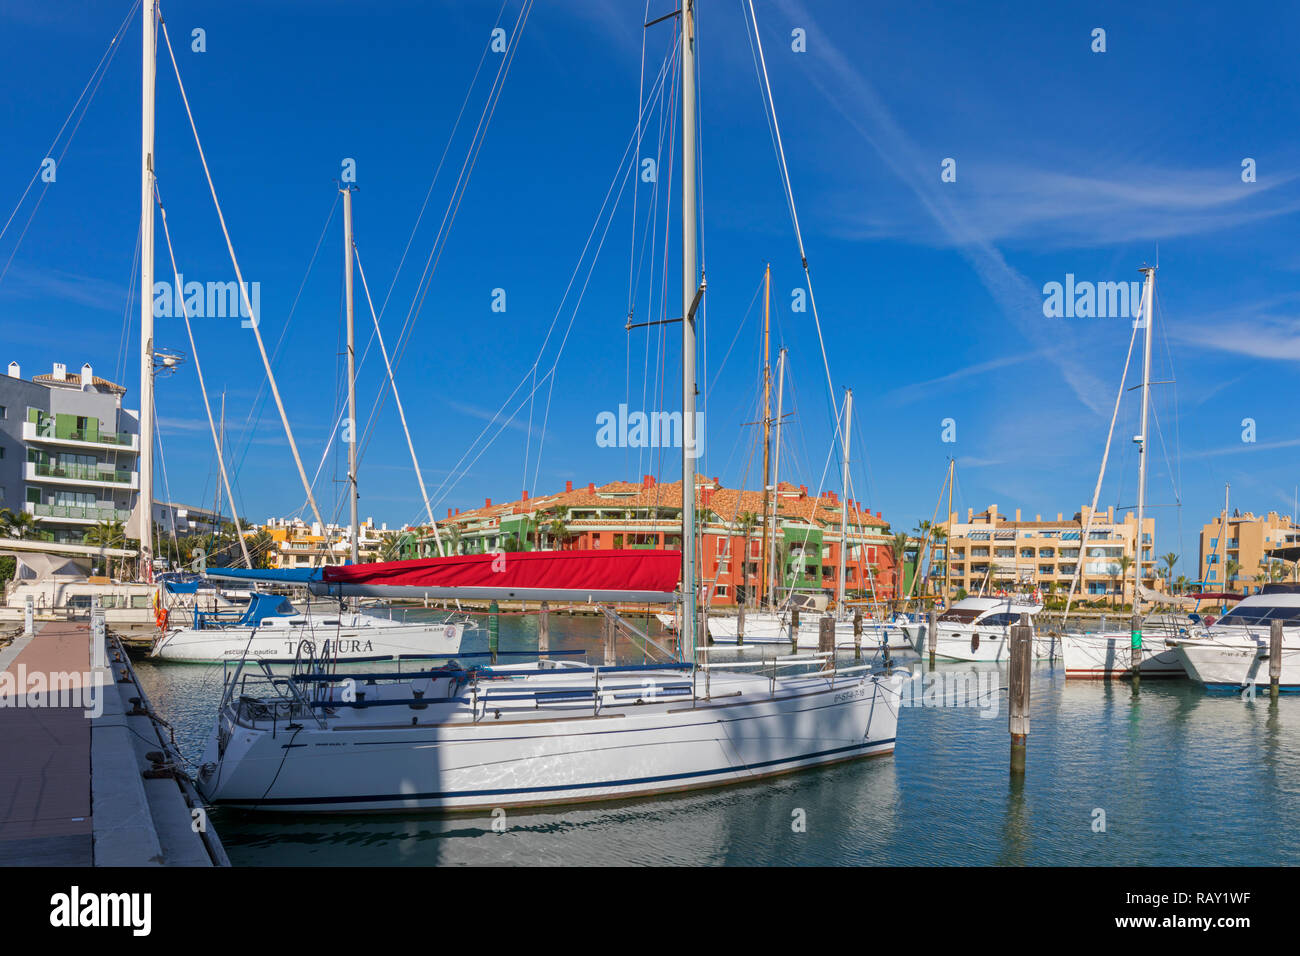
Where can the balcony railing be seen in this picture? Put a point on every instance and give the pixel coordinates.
(79, 513)
(36, 431)
(81, 473)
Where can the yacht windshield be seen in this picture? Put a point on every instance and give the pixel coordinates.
(960, 615)
(1260, 614)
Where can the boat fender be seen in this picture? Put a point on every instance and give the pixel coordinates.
(975, 643)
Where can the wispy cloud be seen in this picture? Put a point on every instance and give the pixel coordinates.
(1055, 208)
(1268, 329)
(486, 415)
(1241, 447)
(43, 283)
(849, 92)
(918, 390)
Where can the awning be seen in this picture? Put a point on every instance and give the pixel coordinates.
(629, 575)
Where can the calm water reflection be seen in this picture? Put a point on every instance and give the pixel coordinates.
(1182, 778)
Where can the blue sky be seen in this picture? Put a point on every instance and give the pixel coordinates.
(929, 292)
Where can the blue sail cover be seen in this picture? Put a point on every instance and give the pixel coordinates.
(262, 606)
(298, 576)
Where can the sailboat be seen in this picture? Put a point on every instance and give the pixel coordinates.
(270, 628)
(1116, 653)
(460, 738)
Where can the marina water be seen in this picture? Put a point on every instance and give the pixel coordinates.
(1171, 777)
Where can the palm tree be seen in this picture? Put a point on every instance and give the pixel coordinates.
(455, 535)
(1180, 584)
(898, 546)
(1170, 560)
(938, 539)
(558, 528)
(1232, 569)
(17, 524)
(106, 534)
(261, 546)
(390, 547)
(746, 522)
(923, 532)
(1125, 562)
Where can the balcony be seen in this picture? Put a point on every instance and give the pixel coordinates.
(81, 475)
(77, 514)
(45, 433)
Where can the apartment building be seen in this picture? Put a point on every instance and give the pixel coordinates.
(647, 514)
(992, 551)
(1233, 549)
(69, 451)
(298, 544)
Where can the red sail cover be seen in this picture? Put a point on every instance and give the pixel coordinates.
(628, 569)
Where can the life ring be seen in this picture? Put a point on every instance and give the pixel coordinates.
(160, 618)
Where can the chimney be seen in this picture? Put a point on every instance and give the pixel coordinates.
(647, 481)
(970, 515)
(60, 371)
(716, 483)
(487, 502)
(591, 487)
(803, 491)
(1060, 516)
(448, 512)
(568, 486)
(877, 514)
(525, 497)
(1038, 517)
(15, 371)
(87, 376)
(1017, 514)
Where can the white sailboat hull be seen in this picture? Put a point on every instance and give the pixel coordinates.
(455, 759)
(1232, 665)
(958, 642)
(770, 629)
(1108, 655)
(374, 641)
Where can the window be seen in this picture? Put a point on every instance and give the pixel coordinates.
(1261, 614)
(1001, 619)
(4, 411)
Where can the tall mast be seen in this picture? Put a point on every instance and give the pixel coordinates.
(844, 505)
(776, 478)
(947, 541)
(221, 450)
(352, 372)
(144, 500)
(1147, 313)
(767, 424)
(689, 288)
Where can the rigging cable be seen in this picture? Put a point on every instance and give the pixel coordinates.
(203, 388)
(243, 288)
(415, 462)
(101, 70)
(1096, 493)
